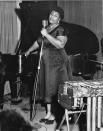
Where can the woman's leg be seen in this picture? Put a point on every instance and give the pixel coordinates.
(48, 114)
(49, 118)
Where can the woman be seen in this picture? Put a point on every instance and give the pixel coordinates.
(53, 71)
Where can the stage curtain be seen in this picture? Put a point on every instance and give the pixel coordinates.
(8, 26)
(8, 30)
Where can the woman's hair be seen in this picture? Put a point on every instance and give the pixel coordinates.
(12, 120)
(59, 10)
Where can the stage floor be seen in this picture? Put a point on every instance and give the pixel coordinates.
(37, 115)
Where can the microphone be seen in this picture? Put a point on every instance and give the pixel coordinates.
(44, 23)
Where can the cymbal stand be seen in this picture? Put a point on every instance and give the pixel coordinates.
(18, 81)
(33, 97)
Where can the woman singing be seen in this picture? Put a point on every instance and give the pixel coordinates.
(53, 67)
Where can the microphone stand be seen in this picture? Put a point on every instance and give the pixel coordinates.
(33, 97)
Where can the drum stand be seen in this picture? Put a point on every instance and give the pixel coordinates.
(33, 96)
(18, 81)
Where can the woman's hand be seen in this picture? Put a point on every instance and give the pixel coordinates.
(44, 32)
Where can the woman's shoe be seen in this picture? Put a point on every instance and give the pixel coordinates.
(49, 121)
(43, 120)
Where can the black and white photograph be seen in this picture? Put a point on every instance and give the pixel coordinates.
(51, 65)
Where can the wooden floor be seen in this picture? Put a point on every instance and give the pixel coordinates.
(37, 115)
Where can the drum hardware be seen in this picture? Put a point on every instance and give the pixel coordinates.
(18, 84)
(20, 63)
(18, 81)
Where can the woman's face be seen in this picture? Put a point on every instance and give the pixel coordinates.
(54, 17)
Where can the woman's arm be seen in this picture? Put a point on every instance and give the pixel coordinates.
(58, 42)
(33, 47)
